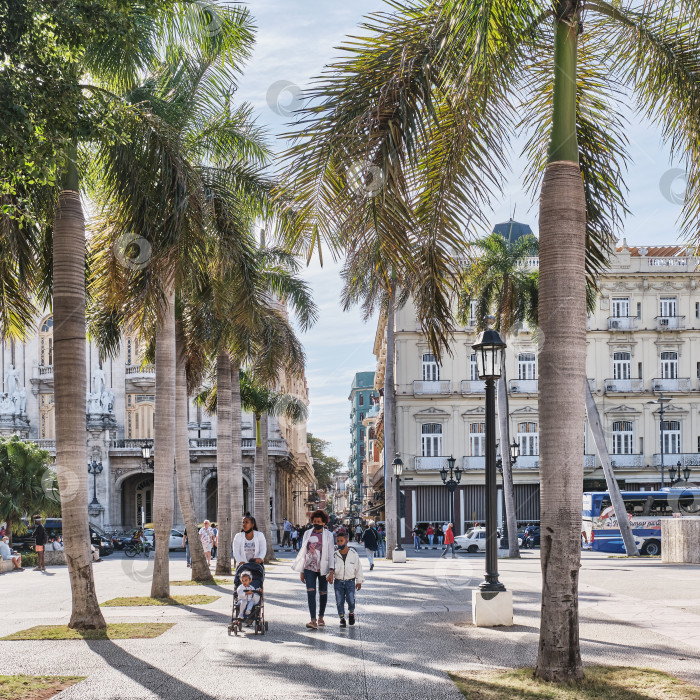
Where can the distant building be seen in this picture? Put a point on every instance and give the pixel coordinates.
(362, 398)
(643, 339)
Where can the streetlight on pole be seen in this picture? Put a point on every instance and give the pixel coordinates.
(676, 474)
(491, 604)
(514, 454)
(399, 554)
(661, 402)
(455, 476)
(95, 468)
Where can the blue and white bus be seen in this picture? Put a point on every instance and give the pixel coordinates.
(645, 510)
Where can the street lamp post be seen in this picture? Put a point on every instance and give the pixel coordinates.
(455, 476)
(514, 454)
(661, 403)
(94, 468)
(489, 349)
(676, 474)
(147, 454)
(399, 554)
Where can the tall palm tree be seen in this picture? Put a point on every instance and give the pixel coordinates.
(453, 78)
(498, 282)
(264, 402)
(224, 460)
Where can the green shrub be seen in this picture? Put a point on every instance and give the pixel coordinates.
(30, 559)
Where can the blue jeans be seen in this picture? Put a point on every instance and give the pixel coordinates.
(187, 552)
(370, 556)
(310, 579)
(381, 551)
(450, 546)
(344, 590)
(430, 539)
(416, 541)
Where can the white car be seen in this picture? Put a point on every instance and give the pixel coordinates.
(175, 538)
(475, 540)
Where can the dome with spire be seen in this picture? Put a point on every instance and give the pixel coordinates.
(512, 230)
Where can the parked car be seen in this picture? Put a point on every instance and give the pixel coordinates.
(175, 538)
(54, 527)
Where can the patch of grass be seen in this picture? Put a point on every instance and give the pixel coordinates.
(216, 582)
(600, 683)
(121, 630)
(35, 687)
(145, 600)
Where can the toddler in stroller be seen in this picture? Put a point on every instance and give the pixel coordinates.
(248, 599)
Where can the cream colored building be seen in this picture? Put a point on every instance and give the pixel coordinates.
(643, 339)
(119, 419)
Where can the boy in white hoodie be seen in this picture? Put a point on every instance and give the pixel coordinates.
(348, 577)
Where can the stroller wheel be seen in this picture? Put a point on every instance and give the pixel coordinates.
(266, 627)
(230, 629)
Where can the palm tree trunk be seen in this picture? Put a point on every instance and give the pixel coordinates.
(613, 488)
(508, 490)
(164, 453)
(224, 457)
(562, 363)
(390, 504)
(236, 439)
(261, 507)
(70, 389)
(200, 570)
(264, 437)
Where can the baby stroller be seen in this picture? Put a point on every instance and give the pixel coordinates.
(256, 618)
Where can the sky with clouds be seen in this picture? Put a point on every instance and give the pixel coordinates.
(295, 39)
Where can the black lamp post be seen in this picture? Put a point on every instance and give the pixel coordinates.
(489, 350)
(455, 476)
(676, 475)
(514, 454)
(661, 402)
(94, 468)
(147, 454)
(397, 465)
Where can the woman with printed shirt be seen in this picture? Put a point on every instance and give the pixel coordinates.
(315, 564)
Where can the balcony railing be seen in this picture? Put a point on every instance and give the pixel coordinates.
(476, 386)
(523, 462)
(623, 385)
(474, 462)
(670, 323)
(45, 370)
(430, 464)
(130, 443)
(140, 369)
(629, 460)
(677, 384)
(202, 443)
(523, 386)
(671, 459)
(44, 443)
(622, 323)
(441, 386)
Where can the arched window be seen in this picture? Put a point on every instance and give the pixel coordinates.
(431, 440)
(623, 437)
(528, 438)
(46, 341)
(140, 414)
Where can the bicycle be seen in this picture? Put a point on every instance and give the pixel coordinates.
(133, 550)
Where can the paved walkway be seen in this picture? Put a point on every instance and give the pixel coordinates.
(414, 624)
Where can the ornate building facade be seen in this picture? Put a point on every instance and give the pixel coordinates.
(120, 405)
(643, 341)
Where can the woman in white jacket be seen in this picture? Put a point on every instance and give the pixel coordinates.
(250, 544)
(315, 563)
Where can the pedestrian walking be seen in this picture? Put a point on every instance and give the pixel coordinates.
(315, 564)
(249, 545)
(371, 540)
(430, 532)
(206, 536)
(40, 539)
(416, 538)
(295, 537)
(439, 532)
(286, 533)
(215, 546)
(381, 541)
(449, 541)
(358, 533)
(186, 545)
(348, 577)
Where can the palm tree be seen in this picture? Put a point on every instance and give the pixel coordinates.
(263, 402)
(224, 460)
(497, 281)
(452, 78)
